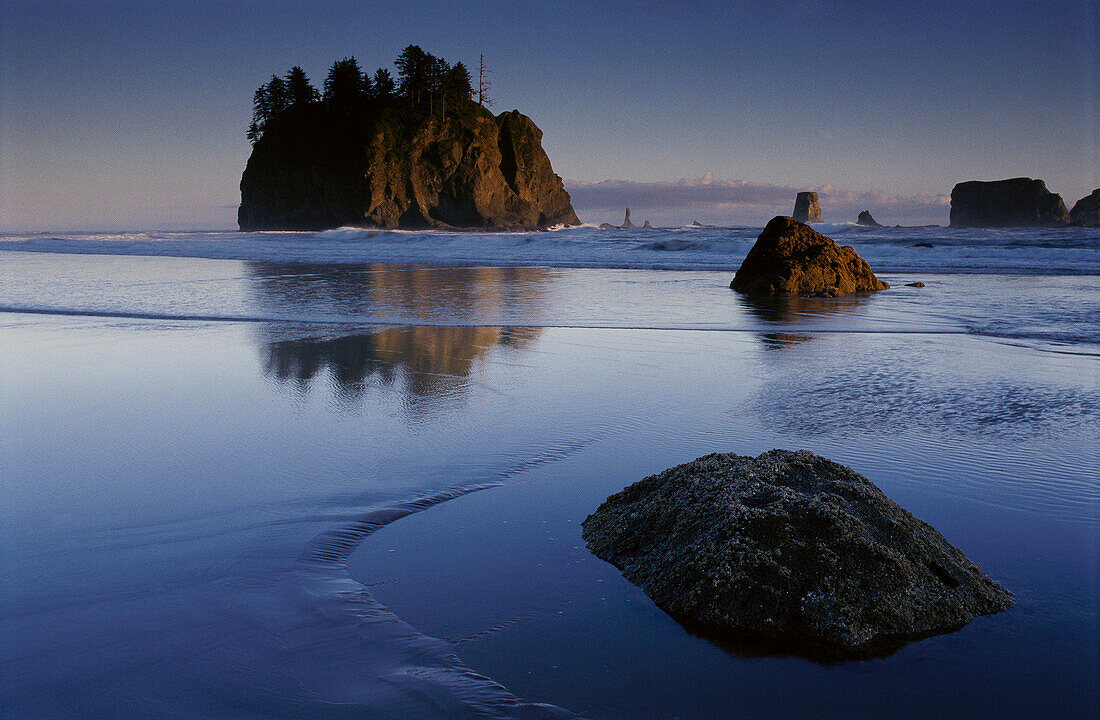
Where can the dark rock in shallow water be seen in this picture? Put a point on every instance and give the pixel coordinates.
(317, 166)
(793, 259)
(918, 283)
(866, 220)
(647, 225)
(921, 244)
(788, 552)
(1021, 202)
(806, 207)
(1086, 211)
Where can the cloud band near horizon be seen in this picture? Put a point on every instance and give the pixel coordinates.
(727, 202)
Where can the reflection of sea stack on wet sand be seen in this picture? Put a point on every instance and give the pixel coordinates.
(430, 361)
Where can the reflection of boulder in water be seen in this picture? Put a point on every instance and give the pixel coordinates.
(783, 340)
(793, 311)
(430, 361)
(789, 310)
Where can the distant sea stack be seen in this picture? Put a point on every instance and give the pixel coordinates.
(866, 220)
(806, 207)
(792, 259)
(1086, 211)
(627, 225)
(418, 153)
(1018, 202)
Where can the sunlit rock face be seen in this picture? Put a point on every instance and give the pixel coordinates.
(316, 168)
(788, 552)
(807, 208)
(1006, 203)
(792, 259)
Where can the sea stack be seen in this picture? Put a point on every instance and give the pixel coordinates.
(626, 221)
(1086, 211)
(788, 552)
(392, 166)
(792, 259)
(1018, 202)
(866, 220)
(806, 207)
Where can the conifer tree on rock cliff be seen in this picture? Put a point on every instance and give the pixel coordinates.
(345, 84)
(414, 67)
(298, 88)
(456, 84)
(268, 101)
(384, 86)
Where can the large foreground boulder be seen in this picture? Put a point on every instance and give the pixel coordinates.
(788, 552)
(1086, 211)
(1021, 202)
(792, 259)
(807, 208)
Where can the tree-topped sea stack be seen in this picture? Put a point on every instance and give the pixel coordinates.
(418, 153)
(791, 259)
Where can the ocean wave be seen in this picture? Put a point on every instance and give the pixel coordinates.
(1039, 251)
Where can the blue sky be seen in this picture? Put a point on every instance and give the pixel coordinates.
(132, 114)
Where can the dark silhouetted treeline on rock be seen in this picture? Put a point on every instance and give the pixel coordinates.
(413, 151)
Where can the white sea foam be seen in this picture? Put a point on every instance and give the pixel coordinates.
(1025, 250)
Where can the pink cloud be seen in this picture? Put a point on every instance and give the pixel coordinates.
(743, 201)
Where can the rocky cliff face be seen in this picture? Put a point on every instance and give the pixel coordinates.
(316, 168)
(807, 208)
(1086, 211)
(1006, 203)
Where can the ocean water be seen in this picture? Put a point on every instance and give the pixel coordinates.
(342, 475)
(1028, 251)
